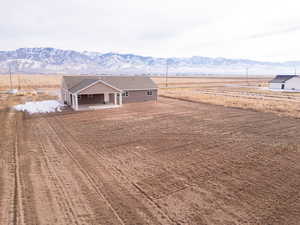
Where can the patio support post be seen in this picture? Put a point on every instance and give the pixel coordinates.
(76, 101)
(73, 101)
(115, 95)
(120, 96)
(106, 98)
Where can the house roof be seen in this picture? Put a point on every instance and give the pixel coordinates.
(282, 78)
(76, 83)
(82, 84)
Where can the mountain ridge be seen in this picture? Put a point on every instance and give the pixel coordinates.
(52, 60)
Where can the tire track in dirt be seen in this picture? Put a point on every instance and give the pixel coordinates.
(7, 169)
(18, 206)
(45, 197)
(129, 181)
(78, 186)
(54, 185)
(57, 126)
(11, 211)
(67, 206)
(89, 178)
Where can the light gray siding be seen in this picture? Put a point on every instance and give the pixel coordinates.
(275, 85)
(293, 84)
(139, 96)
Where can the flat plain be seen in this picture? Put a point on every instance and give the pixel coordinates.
(174, 161)
(251, 93)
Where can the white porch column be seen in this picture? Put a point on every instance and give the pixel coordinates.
(106, 98)
(120, 98)
(115, 95)
(76, 102)
(73, 101)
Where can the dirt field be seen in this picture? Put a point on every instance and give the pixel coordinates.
(170, 162)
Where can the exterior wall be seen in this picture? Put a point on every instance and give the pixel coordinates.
(275, 85)
(139, 96)
(65, 96)
(293, 84)
(98, 88)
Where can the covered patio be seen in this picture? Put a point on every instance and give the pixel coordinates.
(94, 95)
(100, 100)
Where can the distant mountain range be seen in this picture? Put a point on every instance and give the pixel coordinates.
(51, 60)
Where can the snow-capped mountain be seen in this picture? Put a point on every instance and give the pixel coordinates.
(51, 60)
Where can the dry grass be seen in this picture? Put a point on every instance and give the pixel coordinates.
(207, 82)
(280, 106)
(30, 81)
(190, 88)
(53, 81)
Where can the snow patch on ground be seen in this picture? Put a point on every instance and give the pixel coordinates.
(40, 106)
(12, 91)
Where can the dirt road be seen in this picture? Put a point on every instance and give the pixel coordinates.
(171, 162)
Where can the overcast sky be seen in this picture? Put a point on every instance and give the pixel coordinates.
(255, 29)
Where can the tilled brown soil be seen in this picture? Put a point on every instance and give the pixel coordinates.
(170, 162)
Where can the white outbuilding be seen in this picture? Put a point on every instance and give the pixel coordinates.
(285, 82)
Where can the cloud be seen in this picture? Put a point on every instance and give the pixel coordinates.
(275, 32)
(264, 30)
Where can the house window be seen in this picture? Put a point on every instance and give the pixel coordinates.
(125, 94)
(149, 92)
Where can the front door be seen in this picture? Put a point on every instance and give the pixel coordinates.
(282, 86)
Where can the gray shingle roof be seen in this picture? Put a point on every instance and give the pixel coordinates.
(76, 83)
(82, 84)
(282, 78)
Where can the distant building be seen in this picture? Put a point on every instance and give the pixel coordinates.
(285, 82)
(89, 91)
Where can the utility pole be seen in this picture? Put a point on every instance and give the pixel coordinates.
(247, 75)
(10, 77)
(167, 70)
(19, 84)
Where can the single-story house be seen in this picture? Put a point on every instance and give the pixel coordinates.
(87, 91)
(285, 82)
